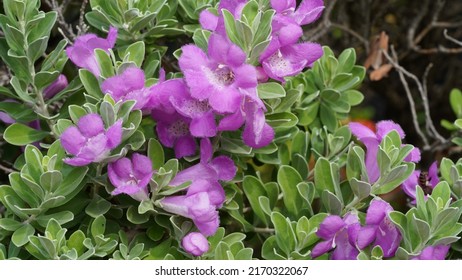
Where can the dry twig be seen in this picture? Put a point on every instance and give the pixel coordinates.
(413, 41)
(422, 88)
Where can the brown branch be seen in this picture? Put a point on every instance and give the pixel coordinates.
(422, 88)
(400, 70)
(82, 27)
(6, 170)
(65, 28)
(413, 41)
(326, 24)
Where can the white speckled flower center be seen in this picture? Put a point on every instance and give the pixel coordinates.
(277, 61)
(179, 128)
(191, 107)
(221, 76)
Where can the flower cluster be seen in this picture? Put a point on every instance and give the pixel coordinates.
(285, 56)
(346, 236)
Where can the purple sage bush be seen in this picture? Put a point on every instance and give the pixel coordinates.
(205, 129)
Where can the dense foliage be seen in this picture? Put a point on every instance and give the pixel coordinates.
(209, 129)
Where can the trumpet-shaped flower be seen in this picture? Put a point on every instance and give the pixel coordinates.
(58, 85)
(195, 244)
(89, 141)
(201, 114)
(372, 141)
(216, 169)
(221, 77)
(339, 235)
(198, 207)
(82, 52)
(437, 252)
(281, 61)
(216, 23)
(284, 56)
(205, 194)
(307, 12)
(410, 185)
(173, 131)
(128, 86)
(257, 133)
(131, 176)
(379, 230)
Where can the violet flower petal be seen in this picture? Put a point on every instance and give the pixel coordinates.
(72, 140)
(309, 11)
(208, 20)
(437, 252)
(225, 168)
(377, 212)
(114, 135)
(57, 86)
(204, 126)
(322, 247)
(330, 226)
(184, 146)
(385, 127)
(90, 125)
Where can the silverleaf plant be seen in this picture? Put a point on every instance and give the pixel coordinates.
(205, 129)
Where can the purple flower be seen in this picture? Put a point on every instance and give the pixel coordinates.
(131, 176)
(284, 56)
(219, 168)
(372, 141)
(173, 131)
(281, 61)
(307, 12)
(437, 252)
(221, 77)
(201, 114)
(57, 86)
(4, 117)
(205, 194)
(257, 133)
(195, 244)
(379, 229)
(339, 235)
(410, 185)
(128, 86)
(82, 52)
(216, 23)
(89, 141)
(197, 207)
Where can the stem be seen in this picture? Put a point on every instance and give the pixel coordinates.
(96, 186)
(351, 204)
(40, 106)
(264, 230)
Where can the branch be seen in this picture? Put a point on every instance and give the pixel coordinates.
(422, 88)
(413, 41)
(400, 70)
(452, 39)
(326, 24)
(65, 28)
(6, 170)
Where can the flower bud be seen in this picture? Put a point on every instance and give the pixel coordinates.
(195, 244)
(58, 85)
